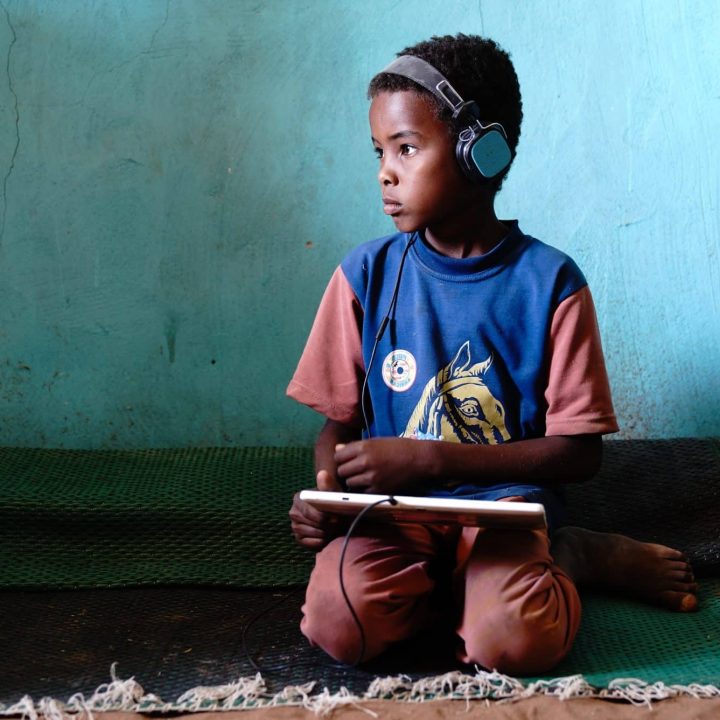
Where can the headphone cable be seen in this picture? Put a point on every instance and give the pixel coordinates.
(381, 332)
(284, 597)
(392, 501)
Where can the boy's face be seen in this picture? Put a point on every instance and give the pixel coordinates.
(422, 184)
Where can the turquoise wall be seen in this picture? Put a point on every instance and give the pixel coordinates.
(179, 179)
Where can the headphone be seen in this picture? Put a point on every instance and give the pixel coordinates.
(481, 150)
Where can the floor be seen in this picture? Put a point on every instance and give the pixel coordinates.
(171, 639)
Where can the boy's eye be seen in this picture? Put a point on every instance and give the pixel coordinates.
(407, 149)
(378, 152)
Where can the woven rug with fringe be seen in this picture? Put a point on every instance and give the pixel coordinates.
(120, 524)
(191, 649)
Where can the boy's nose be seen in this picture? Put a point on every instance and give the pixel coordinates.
(386, 176)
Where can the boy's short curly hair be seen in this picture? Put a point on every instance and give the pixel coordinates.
(478, 68)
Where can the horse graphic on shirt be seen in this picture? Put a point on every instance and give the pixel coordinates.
(458, 406)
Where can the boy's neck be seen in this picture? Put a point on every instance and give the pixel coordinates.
(470, 234)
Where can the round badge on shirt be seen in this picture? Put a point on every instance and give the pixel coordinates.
(399, 370)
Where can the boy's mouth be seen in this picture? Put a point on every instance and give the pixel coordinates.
(391, 205)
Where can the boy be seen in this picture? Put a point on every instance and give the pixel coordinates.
(459, 357)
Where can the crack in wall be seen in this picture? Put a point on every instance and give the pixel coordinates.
(118, 66)
(482, 19)
(17, 121)
(164, 23)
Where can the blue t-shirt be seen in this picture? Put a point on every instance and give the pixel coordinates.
(464, 356)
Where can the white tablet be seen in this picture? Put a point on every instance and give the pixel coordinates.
(477, 513)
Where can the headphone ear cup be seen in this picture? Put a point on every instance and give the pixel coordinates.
(482, 153)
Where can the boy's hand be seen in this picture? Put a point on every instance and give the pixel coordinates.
(312, 528)
(383, 465)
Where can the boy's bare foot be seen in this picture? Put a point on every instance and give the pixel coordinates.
(654, 573)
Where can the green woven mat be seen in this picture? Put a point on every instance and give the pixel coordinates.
(218, 516)
(624, 639)
(663, 491)
(112, 518)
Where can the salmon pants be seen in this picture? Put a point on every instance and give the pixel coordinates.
(513, 610)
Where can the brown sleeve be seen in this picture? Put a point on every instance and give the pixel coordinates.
(330, 373)
(578, 391)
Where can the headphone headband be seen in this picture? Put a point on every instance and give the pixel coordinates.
(481, 150)
(425, 75)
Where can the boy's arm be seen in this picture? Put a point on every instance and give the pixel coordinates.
(312, 528)
(396, 465)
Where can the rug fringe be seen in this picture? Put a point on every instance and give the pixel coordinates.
(251, 692)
